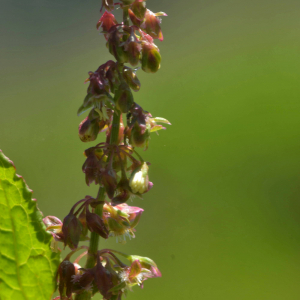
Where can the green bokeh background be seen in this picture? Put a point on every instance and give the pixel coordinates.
(223, 218)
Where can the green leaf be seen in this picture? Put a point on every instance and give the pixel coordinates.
(27, 265)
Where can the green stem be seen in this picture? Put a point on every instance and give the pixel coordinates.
(125, 16)
(115, 127)
(94, 241)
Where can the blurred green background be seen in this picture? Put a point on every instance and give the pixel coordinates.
(223, 218)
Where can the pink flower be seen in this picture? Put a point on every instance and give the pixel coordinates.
(121, 220)
(138, 272)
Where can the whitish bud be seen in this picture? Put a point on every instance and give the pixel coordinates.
(139, 180)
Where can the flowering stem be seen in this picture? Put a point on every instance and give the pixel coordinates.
(101, 195)
(126, 48)
(94, 241)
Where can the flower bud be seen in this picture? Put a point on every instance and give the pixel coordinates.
(139, 135)
(109, 181)
(83, 280)
(96, 224)
(113, 78)
(123, 98)
(82, 220)
(150, 58)
(71, 229)
(131, 79)
(65, 272)
(132, 46)
(133, 51)
(89, 129)
(91, 166)
(124, 192)
(139, 180)
(138, 7)
(106, 21)
(115, 41)
(103, 279)
(152, 24)
(135, 20)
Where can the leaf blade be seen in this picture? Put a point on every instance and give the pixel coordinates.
(27, 265)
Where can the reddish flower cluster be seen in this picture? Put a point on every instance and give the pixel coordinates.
(114, 165)
(110, 276)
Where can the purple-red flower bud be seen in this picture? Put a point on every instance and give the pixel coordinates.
(106, 21)
(103, 279)
(115, 45)
(66, 271)
(91, 166)
(109, 181)
(132, 45)
(124, 192)
(71, 229)
(82, 220)
(96, 224)
(83, 280)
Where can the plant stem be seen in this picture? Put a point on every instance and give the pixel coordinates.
(115, 127)
(125, 16)
(93, 248)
